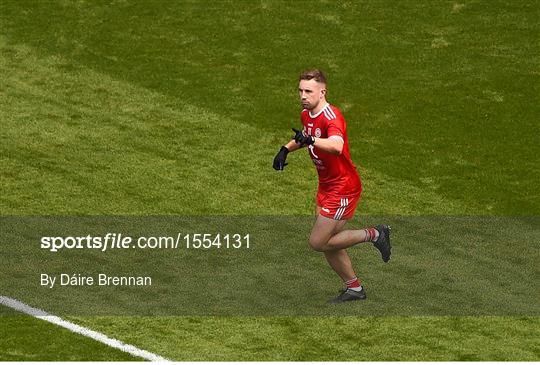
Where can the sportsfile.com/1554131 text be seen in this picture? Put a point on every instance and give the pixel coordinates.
(115, 241)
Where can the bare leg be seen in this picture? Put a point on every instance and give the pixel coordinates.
(347, 238)
(339, 259)
(323, 236)
(340, 262)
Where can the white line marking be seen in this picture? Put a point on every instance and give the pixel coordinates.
(38, 313)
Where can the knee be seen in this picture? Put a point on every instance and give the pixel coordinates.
(317, 244)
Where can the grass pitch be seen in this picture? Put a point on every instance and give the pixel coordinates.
(137, 108)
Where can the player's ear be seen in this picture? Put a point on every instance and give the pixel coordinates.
(323, 92)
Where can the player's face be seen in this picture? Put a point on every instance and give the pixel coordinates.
(311, 93)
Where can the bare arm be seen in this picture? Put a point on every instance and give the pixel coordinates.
(330, 145)
(292, 145)
(333, 144)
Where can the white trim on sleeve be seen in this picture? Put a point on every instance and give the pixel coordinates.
(339, 138)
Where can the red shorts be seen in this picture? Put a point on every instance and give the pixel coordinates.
(337, 207)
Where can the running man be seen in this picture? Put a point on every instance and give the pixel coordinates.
(325, 136)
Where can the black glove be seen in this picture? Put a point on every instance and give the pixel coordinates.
(279, 160)
(301, 139)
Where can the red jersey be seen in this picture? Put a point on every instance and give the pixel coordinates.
(337, 173)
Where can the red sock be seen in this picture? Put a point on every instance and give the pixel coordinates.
(353, 283)
(371, 234)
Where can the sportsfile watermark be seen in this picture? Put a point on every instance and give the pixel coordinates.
(236, 266)
(120, 241)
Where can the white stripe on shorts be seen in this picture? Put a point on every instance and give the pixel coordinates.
(341, 210)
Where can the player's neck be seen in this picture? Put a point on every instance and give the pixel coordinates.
(322, 104)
